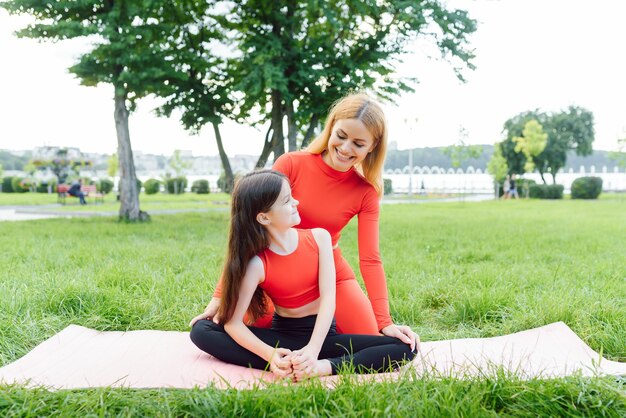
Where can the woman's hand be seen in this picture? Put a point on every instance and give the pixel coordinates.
(404, 334)
(209, 313)
(280, 363)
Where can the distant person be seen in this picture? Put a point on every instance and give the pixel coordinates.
(506, 186)
(513, 190)
(75, 191)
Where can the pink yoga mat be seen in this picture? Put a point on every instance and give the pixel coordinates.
(79, 357)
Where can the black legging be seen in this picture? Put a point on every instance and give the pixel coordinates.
(367, 353)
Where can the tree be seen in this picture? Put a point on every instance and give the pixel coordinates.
(460, 152)
(113, 165)
(571, 129)
(497, 165)
(126, 54)
(62, 166)
(618, 156)
(531, 143)
(295, 58)
(179, 166)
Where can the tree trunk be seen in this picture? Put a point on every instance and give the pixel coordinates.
(278, 138)
(267, 148)
(553, 177)
(542, 178)
(228, 171)
(129, 196)
(310, 131)
(292, 130)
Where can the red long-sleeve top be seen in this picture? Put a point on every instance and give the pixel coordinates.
(329, 199)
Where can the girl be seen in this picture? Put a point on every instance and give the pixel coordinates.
(295, 268)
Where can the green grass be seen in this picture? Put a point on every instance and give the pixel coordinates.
(48, 202)
(453, 270)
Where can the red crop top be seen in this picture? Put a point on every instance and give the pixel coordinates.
(292, 280)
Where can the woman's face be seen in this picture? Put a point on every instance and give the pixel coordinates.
(350, 142)
(284, 212)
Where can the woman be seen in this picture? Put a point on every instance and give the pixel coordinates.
(337, 177)
(296, 269)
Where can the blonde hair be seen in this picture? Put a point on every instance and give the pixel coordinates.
(363, 108)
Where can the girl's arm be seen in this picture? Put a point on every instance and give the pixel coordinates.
(309, 353)
(238, 330)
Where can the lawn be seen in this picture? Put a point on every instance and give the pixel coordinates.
(453, 269)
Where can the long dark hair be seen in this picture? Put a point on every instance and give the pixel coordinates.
(254, 193)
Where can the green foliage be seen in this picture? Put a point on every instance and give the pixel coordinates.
(152, 186)
(497, 166)
(586, 188)
(178, 164)
(7, 184)
(460, 151)
(224, 185)
(105, 186)
(387, 187)
(571, 129)
(176, 185)
(113, 165)
(200, 186)
(42, 187)
(531, 143)
(545, 191)
(18, 185)
(618, 156)
(62, 166)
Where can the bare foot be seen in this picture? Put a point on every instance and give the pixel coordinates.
(319, 368)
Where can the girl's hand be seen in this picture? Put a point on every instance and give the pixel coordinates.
(404, 334)
(209, 313)
(303, 361)
(280, 363)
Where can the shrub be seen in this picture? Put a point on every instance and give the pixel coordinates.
(105, 186)
(200, 187)
(387, 187)
(18, 185)
(222, 185)
(586, 188)
(7, 184)
(152, 186)
(176, 185)
(545, 191)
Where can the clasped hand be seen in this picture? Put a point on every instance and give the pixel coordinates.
(296, 364)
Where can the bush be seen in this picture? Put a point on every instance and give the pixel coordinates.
(18, 185)
(387, 187)
(545, 191)
(105, 186)
(222, 185)
(7, 184)
(176, 185)
(586, 188)
(200, 187)
(152, 186)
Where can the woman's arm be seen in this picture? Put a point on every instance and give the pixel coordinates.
(373, 273)
(308, 355)
(238, 330)
(370, 263)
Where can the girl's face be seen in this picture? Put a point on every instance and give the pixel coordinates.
(284, 212)
(349, 143)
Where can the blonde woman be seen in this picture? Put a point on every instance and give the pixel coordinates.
(338, 177)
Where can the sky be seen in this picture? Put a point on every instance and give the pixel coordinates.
(530, 54)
